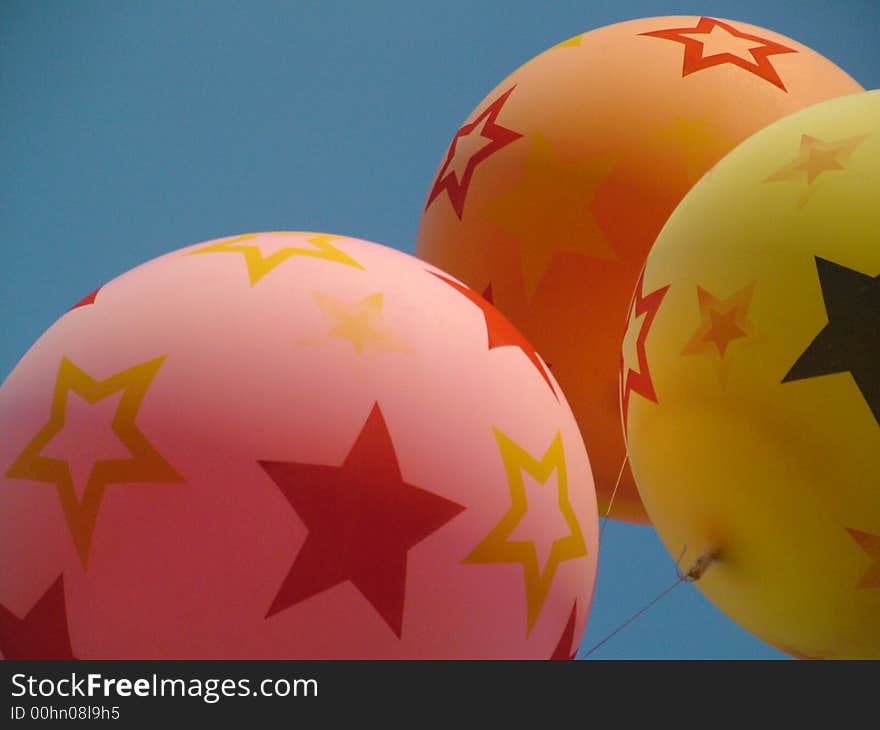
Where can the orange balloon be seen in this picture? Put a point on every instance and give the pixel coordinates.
(552, 192)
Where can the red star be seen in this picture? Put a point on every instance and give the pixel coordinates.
(494, 137)
(362, 520)
(565, 649)
(42, 634)
(500, 331)
(639, 381)
(694, 60)
(85, 301)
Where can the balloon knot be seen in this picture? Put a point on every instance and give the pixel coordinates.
(698, 567)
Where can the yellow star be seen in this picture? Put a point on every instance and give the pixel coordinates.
(145, 464)
(816, 157)
(359, 323)
(549, 209)
(497, 548)
(572, 42)
(259, 265)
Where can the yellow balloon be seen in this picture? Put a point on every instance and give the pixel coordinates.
(750, 382)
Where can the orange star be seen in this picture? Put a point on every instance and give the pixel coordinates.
(722, 322)
(496, 547)
(258, 265)
(870, 543)
(144, 465)
(723, 329)
(725, 44)
(549, 209)
(816, 157)
(693, 144)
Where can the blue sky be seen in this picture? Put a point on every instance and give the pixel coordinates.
(133, 128)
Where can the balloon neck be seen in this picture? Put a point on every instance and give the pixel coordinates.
(700, 566)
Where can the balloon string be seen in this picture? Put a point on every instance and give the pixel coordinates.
(611, 499)
(633, 617)
(694, 573)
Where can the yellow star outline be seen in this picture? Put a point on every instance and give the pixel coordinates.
(496, 548)
(548, 210)
(815, 157)
(145, 464)
(258, 265)
(359, 323)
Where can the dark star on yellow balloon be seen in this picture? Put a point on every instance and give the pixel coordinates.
(850, 342)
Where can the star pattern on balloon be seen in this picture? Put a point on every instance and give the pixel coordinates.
(86, 300)
(362, 519)
(549, 209)
(870, 544)
(497, 547)
(145, 465)
(713, 42)
(42, 633)
(259, 265)
(566, 649)
(849, 341)
(573, 42)
(697, 144)
(488, 295)
(360, 323)
(472, 144)
(634, 370)
(500, 331)
(816, 157)
(722, 322)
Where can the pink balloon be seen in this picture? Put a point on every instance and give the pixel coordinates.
(290, 445)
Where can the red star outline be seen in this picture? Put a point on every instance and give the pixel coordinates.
(42, 633)
(695, 61)
(500, 136)
(640, 382)
(362, 519)
(501, 333)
